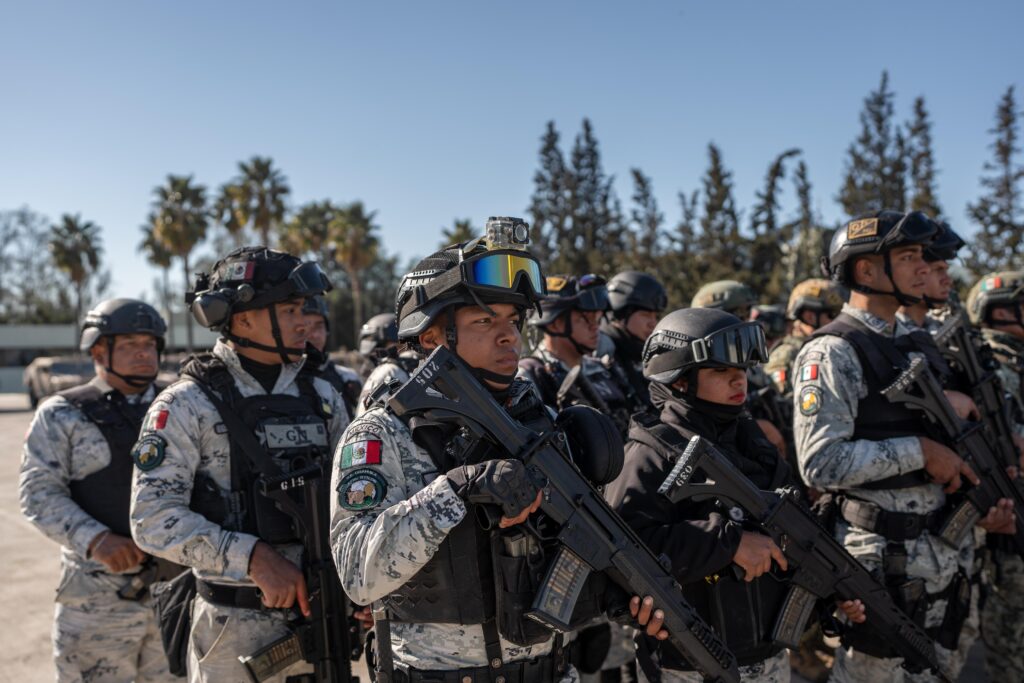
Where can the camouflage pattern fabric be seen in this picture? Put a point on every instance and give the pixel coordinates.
(780, 362)
(380, 545)
(772, 670)
(196, 442)
(384, 373)
(97, 636)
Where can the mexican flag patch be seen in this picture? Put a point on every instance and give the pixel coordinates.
(360, 453)
(808, 373)
(156, 421)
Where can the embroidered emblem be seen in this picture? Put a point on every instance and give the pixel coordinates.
(361, 490)
(148, 452)
(810, 400)
(366, 452)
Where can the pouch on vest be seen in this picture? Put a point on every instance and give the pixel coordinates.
(744, 613)
(519, 569)
(172, 602)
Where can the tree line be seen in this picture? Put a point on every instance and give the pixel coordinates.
(579, 223)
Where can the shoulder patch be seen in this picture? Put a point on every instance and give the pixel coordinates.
(810, 400)
(148, 452)
(361, 451)
(156, 420)
(809, 372)
(361, 489)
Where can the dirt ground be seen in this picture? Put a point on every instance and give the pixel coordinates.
(29, 563)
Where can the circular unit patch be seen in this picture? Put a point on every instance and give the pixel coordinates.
(361, 489)
(810, 400)
(148, 452)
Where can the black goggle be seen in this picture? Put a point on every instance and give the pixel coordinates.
(741, 345)
(588, 292)
(309, 279)
(914, 228)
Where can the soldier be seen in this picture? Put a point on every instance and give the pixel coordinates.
(569, 318)
(345, 380)
(248, 409)
(765, 403)
(705, 394)
(404, 529)
(926, 314)
(378, 341)
(636, 300)
(771, 317)
(75, 487)
(995, 304)
(812, 304)
(890, 479)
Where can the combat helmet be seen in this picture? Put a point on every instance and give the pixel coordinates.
(726, 295)
(122, 316)
(817, 295)
(996, 290)
(632, 290)
(377, 332)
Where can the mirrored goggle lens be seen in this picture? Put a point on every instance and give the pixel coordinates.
(503, 270)
(738, 345)
(593, 299)
(309, 278)
(589, 280)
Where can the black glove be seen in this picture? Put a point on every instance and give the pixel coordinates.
(495, 482)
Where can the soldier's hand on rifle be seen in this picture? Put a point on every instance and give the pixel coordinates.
(647, 617)
(504, 483)
(755, 555)
(944, 466)
(280, 581)
(963, 405)
(1000, 518)
(853, 609)
(115, 552)
(364, 615)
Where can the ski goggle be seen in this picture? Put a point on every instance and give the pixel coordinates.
(914, 228)
(309, 279)
(741, 345)
(504, 270)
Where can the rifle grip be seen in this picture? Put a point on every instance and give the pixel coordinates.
(555, 601)
(793, 616)
(959, 524)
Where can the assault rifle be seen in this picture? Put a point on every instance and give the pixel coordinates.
(593, 537)
(325, 638)
(917, 387)
(958, 344)
(822, 568)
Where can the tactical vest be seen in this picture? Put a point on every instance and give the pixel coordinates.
(548, 377)
(106, 494)
(291, 430)
(743, 613)
(629, 370)
(348, 390)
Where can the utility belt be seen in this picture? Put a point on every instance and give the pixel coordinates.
(153, 570)
(244, 597)
(895, 526)
(538, 670)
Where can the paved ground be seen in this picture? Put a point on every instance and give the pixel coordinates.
(29, 564)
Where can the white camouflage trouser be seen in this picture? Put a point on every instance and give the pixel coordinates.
(1002, 620)
(772, 670)
(100, 638)
(220, 635)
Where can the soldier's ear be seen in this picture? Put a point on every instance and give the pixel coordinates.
(864, 270)
(99, 350)
(681, 385)
(432, 337)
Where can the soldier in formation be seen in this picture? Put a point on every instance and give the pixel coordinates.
(75, 487)
(378, 342)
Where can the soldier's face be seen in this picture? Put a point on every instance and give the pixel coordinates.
(940, 284)
(132, 354)
(725, 386)
(255, 325)
(485, 341)
(316, 331)
(640, 324)
(585, 327)
(909, 269)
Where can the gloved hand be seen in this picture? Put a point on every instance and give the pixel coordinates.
(495, 482)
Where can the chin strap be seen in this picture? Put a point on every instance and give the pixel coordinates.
(903, 298)
(580, 348)
(285, 352)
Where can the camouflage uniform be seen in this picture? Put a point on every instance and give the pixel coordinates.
(772, 670)
(780, 363)
(97, 636)
(388, 371)
(1002, 618)
(382, 535)
(825, 408)
(196, 442)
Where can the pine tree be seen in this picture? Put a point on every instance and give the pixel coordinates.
(999, 214)
(677, 269)
(769, 237)
(876, 168)
(809, 245)
(461, 231)
(723, 255)
(645, 235)
(921, 162)
(549, 206)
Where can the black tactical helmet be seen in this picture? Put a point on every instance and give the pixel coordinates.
(876, 234)
(121, 316)
(250, 278)
(569, 293)
(631, 290)
(317, 305)
(377, 332)
(772, 317)
(945, 245)
(692, 338)
(477, 272)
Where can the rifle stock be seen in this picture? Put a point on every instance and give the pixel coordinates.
(821, 568)
(593, 537)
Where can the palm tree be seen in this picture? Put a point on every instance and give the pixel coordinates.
(158, 254)
(309, 231)
(355, 248)
(228, 211)
(76, 250)
(461, 231)
(258, 196)
(180, 222)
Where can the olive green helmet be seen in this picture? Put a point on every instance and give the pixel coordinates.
(818, 295)
(725, 295)
(993, 290)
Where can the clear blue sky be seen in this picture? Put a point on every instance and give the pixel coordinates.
(429, 111)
